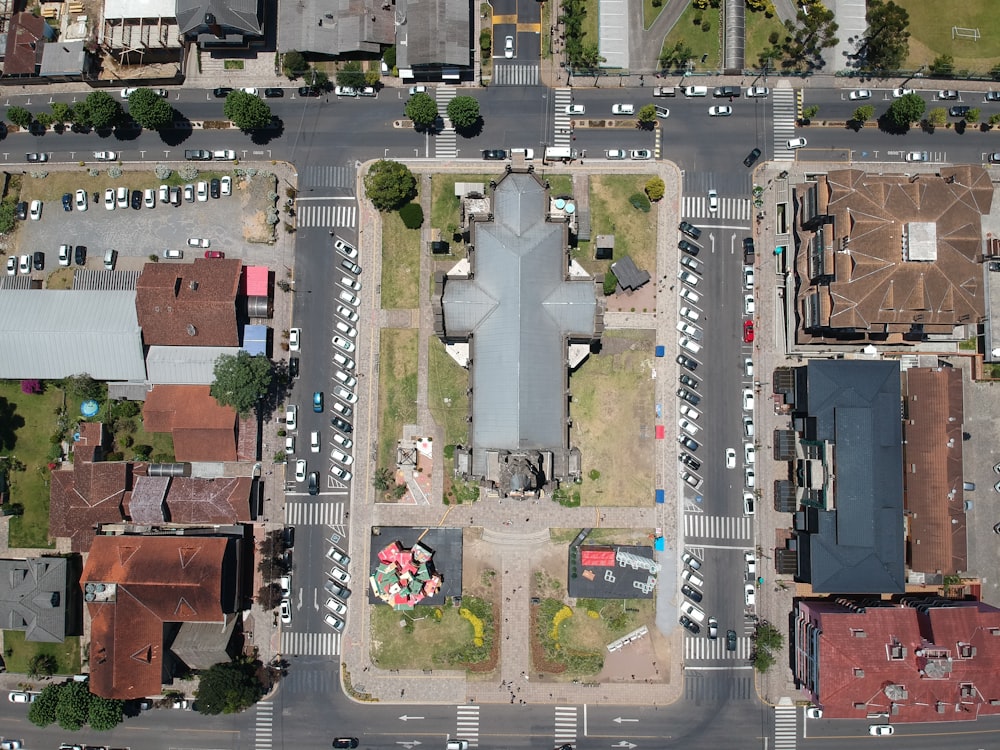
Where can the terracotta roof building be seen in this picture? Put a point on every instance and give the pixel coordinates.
(26, 40)
(202, 429)
(934, 500)
(134, 586)
(189, 304)
(915, 660)
(182, 500)
(890, 258)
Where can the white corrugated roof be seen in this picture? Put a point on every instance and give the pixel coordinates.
(139, 9)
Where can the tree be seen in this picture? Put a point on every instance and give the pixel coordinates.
(83, 386)
(351, 75)
(810, 112)
(769, 637)
(149, 109)
(655, 188)
(937, 117)
(373, 77)
(293, 64)
(809, 34)
(241, 380)
(863, 114)
(105, 713)
(677, 57)
(906, 109)
(463, 111)
(42, 665)
(943, 66)
(382, 479)
(647, 115)
(62, 112)
(269, 596)
(389, 184)
(763, 660)
(20, 116)
(102, 109)
(422, 110)
(42, 711)
(994, 119)
(973, 115)
(228, 688)
(73, 707)
(247, 111)
(886, 41)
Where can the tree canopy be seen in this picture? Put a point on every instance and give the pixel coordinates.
(42, 711)
(228, 688)
(809, 34)
(101, 110)
(105, 713)
(886, 42)
(389, 184)
(351, 75)
(463, 111)
(241, 380)
(905, 110)
(149, 109)
(293, 64)
(247, 111)
(20, 116)
(863, 113)
(422, 110)
(647, 114)
(73, 707)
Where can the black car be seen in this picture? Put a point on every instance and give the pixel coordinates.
(345, 742)
(274, 93)
(136, 199)
(748, 251)
(689, 460)
(688, 381)
(351, 267)
(730, 640)
(341, 424)
(691, 593)
(214, 187)
(289, 534)
(690, 625)
(752, 158)
(692, 398)
(959, 111)
(21, 210)
(313, 482)
(308, 91)
(222, 92)
(690, 230)
(38, 260)
(721, 92)
(689, 248)
(67, 201)
(687, 442)
(80, 255)
(293, 367)
(685, 361)
(494, 154)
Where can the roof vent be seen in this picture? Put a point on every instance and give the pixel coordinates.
(193, 285)
(192, 331)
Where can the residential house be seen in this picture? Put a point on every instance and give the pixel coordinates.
(40, 597)
(202, 429)
(232, 24)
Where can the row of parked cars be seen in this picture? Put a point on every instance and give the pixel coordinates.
(690, 342)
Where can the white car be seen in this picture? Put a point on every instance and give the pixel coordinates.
(291, 417)
(794, 143)
(121, 197)
(225, 154)
(81, 200)
(689, 427)
(346, 248)
(623, 109)
(199, 242)
(508, 47)
(345, 91)
(748, 477)
(343, 393)
(713, 200)
(300, 470)
(342, 343)
(164, 194)
(332, 621)
(105, 155)
(616, 153)
(899, 92)
(202, 191)
(336, 607)
(149, 198)
(757, 92)
(418, 90)
(748, 277)
(353, 284)
(747, 399)
(748, 503)
(12, 265)
(25, 264)
(693, 578)
(748, 305)
(730, 458)
(692, 611)
(688, 278)
(249, 90)
(688, 330)
(859, 94)
(335, 555)
(751, 563)
(344, 442)
(749, 453)
(289, 443)
(690, 313)
(748, 426)
(749, 595)
(689, 411)
(314, 441)
(127, 92)
(65, 255)
(343, 361)
(285, 584)
(226, 185)
(342, 474)
(748, 367)
(35, 210)
(640, 154)
(109, 199)
(285, 609)
(347, 313)
(575, 109)
(690, 295)
(343, 409)
(346, 329)
(723, 110)
(340, 576)
(18, 697)
(880, 730)
(189, 193)
(341, 457)
(349, 381)
(918, 156)
(294, 339)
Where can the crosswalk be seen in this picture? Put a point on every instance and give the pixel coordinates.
(565, 725)
(783, 101)
(704, 526)
(467, 724)
(315, 214)
(318, 176)
(310, 644)
(264, 726)
(563, 135)
(298, 513)
(445, 142)
(736, 209)
(699, 648)
(785, 726)
(515, 74)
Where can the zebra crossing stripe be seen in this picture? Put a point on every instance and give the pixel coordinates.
(717, 527)
(738, 209)
(467, 723)
(785, 727)
(785, 104)
(310, 644)
(515, 74)
(565, 724)
(313, 215)
(703, 649)
(263, 726)
(314, 514)
(318, 176)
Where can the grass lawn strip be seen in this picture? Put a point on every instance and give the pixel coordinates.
(18, 653)
(930, 33)
(400, 264)
(613, 417)
(397, 403)
(701, 42)
(651, 12)
(611, 213)
(758, 28)
(447, 383)
(428, 638)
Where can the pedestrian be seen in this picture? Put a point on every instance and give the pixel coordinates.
(402, 692)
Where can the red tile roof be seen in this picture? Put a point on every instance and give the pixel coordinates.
(897, 660)
(156, 580)
(25, 42)
(189, 304)
(202, 429)
(156, 500)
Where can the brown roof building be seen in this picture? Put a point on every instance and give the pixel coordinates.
(134, 586)
(202, 429)
(890, 258)
(181, 500)
(932, 448)
(916, 660)
(25, 42)
(189, 304)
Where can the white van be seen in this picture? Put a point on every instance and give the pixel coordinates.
(527, 153)
(696, 91)
(109, 259)
(692, 346)
(693, 612)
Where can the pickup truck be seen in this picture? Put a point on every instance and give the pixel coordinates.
(197, 154)
(665, 91)
(224, 155)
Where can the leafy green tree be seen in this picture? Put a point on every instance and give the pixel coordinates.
(943, 65)
(810, 112)
(973, 115)
(42, 711)
(863, 114)
(42, 665)
(351, 75)
(103, 111)
(82, 387)
(994, 119)
(769, 637)
(809, 34)
(73, 707)
(241, 380)
(463, 111)
(887, 41)
(655, 188)
(149, 109)
(62, 112)
(763, 660)
(373, 77)
(20, 116)
(590, 56)
(269, 596)
(389, 184)
(81, 114)
(905, 110)
(228, 688)
(937, 117)
(647, 115)
(318, 79)
(676, 57)
(247, 111)
(422, 110)
(293, 64)
(389, 56)
(382, 479)
(105, 713)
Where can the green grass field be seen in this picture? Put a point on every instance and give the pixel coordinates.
(930, 33)
(447, 399)
(700, 42)
(400, 264)
(20, 651)
(611, 213)
(397, 387)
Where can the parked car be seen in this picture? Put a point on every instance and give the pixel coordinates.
(751, 158)
(720, 111)
(334, 622)
(757, 92)
(794, 143)
(24, 265)
(640, 154)
(418, 90)
(342, 424)
(226, 185)
(173, 254)
(917, 156)
(575, 109)
(881, 730)
(749, 594)
(222, 92)
(747, 399)
(291, 417)
(859, 94)
(80, 255)
(347, 313)
(748, 503)
(337, 608)
(616, 153)
(285, 611)
(308, 91)
(345, 91)
(342, 360)
(81, 200)
(346, 248)
(494, 154)
(67, 202)
(300, 470)
(294, 338)
(12, 265)
(36, 158)
(343, 442)
(623, 109)
(690, 230)
(202, 191)
(65, 253)
(349, 381)
(35, 210)
(318, 402)
(947, 94)
(312, 486)
(350, 266)
(214, 254)
(508, 47)
(213, 187)
(690, 625)
(691, 561)
(692, 593)
(747, 331)
(105, 155)
(197, 154)
(199, 242)
(685, 361)
(274, 93)
(901, 92)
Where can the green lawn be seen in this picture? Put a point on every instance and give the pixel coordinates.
(559, 184)
(397, 380)
(758, 27)
(651, 12)
(436, 637)
(700, 42)
(590, 22)
(400, 263)
(444, 203)
(930, 33)
(447, 383)
(611, 213)
(18, 652)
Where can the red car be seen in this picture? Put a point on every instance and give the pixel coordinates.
(220, 254)
(747, 331)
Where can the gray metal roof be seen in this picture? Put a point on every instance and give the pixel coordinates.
(233, 14)
(433, 32)
(33, 597)
(335, 27)
(184, 365)
(51, 334)
(519, 310)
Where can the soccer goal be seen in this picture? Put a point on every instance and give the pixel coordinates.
(958, 32)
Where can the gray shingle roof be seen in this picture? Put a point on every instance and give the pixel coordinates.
(234, 14)
(33, 597)
(433, 32)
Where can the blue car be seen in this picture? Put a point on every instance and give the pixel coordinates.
(318, 401)
(67, 201)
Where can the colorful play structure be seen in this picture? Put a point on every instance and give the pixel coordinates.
(405, 577)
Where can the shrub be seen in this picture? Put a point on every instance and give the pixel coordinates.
(655, 189)
(477, 625)
(640, 201)
(31, 387)
(412, 215)
(610, 283)
(563, 614)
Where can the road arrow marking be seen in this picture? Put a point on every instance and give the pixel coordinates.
(623, 743)
(404, 717)
(619, 720)
(409, 744)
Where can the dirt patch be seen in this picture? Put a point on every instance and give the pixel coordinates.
(256, 200)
